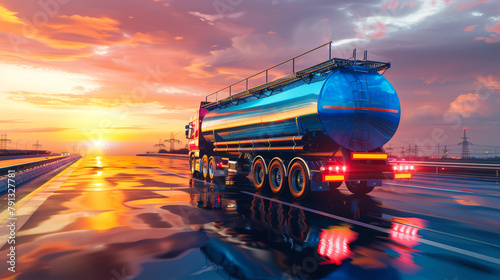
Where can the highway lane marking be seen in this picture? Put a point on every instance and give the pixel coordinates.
(384, 230)
(445, 190)
(29, 204)
(377, 228)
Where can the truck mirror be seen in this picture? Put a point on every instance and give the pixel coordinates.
(187, 133)
(187, 126)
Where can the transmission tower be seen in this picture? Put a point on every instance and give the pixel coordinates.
(4, 141)
(160, 145)
(172, 140)
(402, 152)
(37, 146)
(465, 145)
(445, 152)
(409, 151)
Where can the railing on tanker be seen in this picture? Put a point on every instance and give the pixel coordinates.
(266, 71)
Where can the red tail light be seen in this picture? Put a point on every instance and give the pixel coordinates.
(403, 171)
(333, 173)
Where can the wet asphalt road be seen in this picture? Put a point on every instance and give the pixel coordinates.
(147, 218)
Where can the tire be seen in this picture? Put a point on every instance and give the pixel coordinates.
(211, 168)
(358, 187)
(259, 177)
(334, 185)
(204, 167)
(298, 180)
(192, 160)
(277, 178)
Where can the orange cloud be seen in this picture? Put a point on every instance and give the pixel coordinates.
(470, 28)
(7, 16)
(77, 32)
(466, 105)
(468, 5)
(13, 121)
(37, 130)
(433, 80)
(65, 37)
(494, 36)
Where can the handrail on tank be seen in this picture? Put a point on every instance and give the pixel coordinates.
(266, 70)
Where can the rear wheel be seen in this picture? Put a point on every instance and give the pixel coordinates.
(358, 187)
(211, 168)
(259, 175)
(192, 161)
(204, 167)
(298, 180)
(277, 180)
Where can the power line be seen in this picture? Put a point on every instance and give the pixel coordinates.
(465, 145)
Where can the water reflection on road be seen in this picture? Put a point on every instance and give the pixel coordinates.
(146, 218)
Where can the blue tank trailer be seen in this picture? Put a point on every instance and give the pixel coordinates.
(308, 131)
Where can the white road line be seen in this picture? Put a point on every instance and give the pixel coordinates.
(445, 190)
(31, 204)
(377, 228)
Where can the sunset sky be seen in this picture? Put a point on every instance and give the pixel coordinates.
(117, 75)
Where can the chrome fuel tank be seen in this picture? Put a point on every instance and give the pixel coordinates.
(356, 107)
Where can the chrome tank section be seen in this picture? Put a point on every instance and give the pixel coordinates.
(357, 108)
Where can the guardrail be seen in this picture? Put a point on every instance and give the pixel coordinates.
(29, 171)
(482, 169)
(178, 156)
(30, 165)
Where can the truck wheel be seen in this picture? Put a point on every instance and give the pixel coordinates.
(204, 167)
(358, 187)
(334, 185)
(192, 161)
(277, 180)
(298, 181)
(259, 175)
(211, 168)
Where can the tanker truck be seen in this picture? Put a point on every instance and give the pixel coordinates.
(311, 130)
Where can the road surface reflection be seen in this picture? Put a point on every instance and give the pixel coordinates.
(147, 218)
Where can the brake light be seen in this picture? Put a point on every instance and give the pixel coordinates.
(360, 156)
(333, 173)
(219, 164)
(403, 171)
(336, 168)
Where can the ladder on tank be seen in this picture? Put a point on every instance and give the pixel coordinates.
(361, 98)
